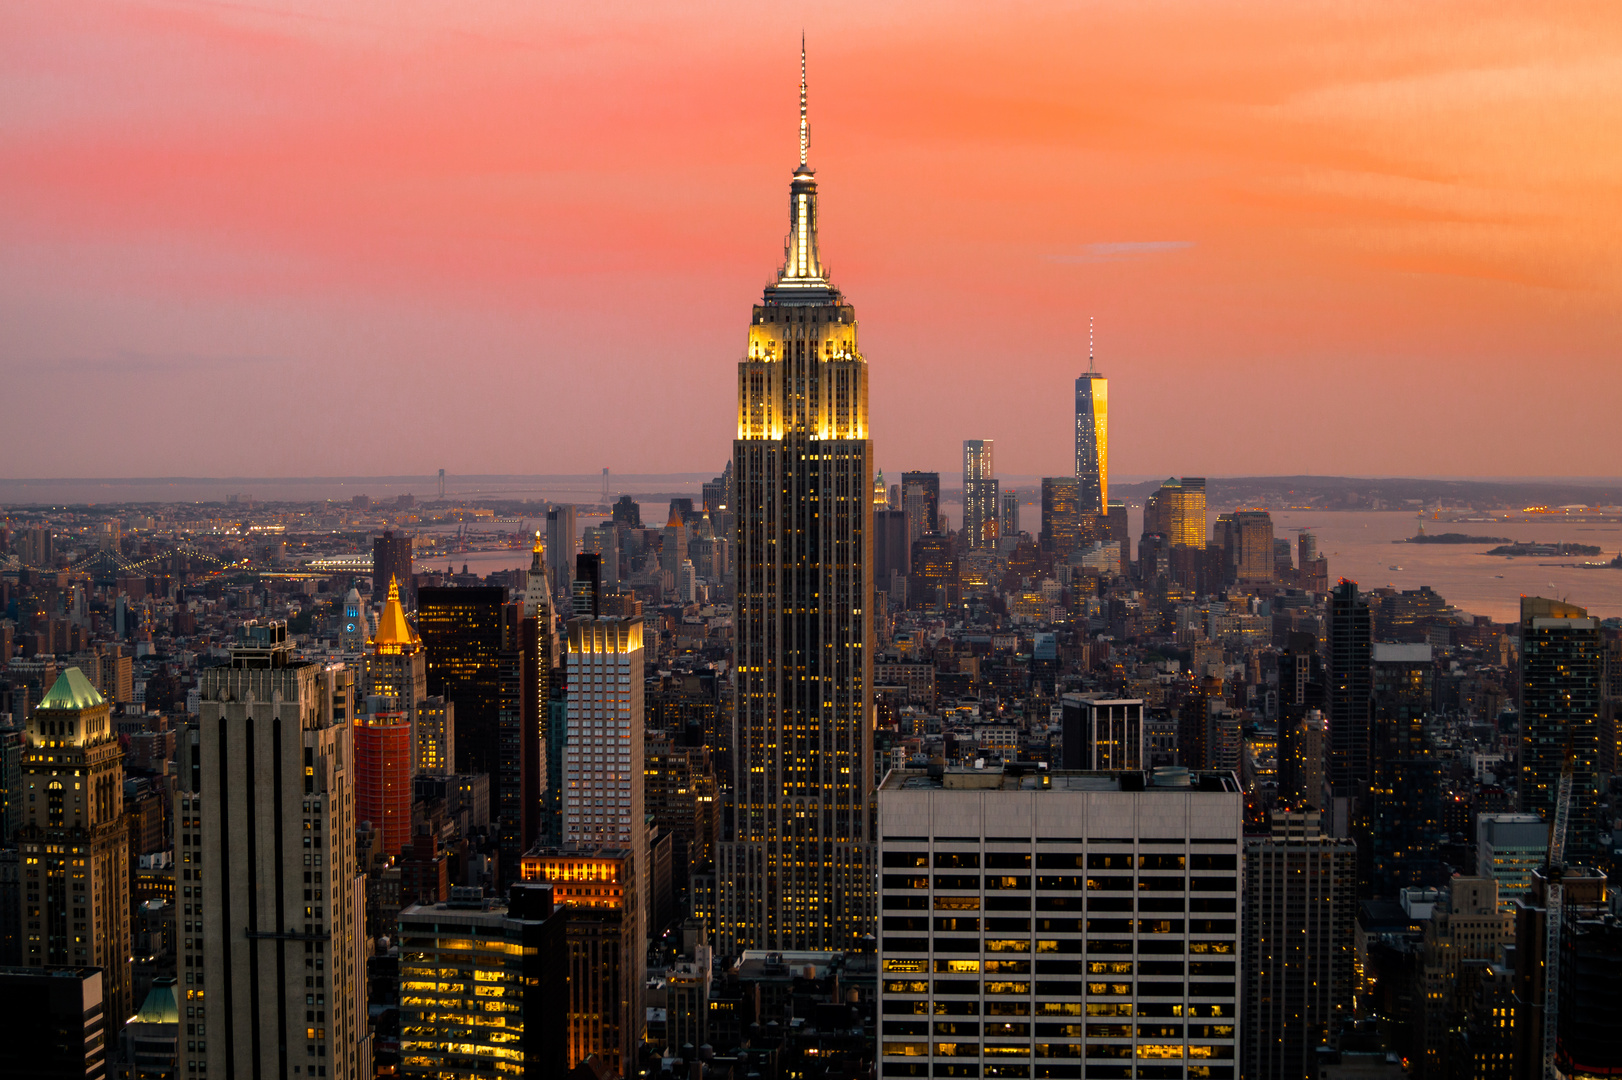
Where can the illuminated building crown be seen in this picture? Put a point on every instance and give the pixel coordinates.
(802, 278)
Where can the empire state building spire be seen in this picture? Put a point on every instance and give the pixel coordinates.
(802, 278)
(805, 129)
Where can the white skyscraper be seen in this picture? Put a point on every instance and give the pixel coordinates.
(1034, 923)
(602, 798)
(271, 918)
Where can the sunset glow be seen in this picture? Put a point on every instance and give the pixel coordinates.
(1399, 222)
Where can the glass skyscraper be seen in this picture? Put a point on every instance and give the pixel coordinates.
(1092, 441)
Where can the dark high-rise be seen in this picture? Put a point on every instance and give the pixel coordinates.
(1061, 521)
(931, 483)
(391, 560)
(1349, 700)
(891, 549)
(627, 513)
(1300, 923)
(796, 870)
(461, 630)
(1404, 812)
(1562, 665)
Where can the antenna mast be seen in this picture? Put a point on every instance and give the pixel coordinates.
(805, 130)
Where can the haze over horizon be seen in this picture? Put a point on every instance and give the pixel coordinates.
(271, 240)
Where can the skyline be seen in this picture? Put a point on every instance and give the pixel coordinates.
(311, 224)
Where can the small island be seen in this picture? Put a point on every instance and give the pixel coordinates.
(1557, 550)
(1452, 538)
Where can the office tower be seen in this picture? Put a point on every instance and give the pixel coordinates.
(1246, 539)
(892, 550)
(1465, 934)
(383, 778)
(930, 483)
(1283, 560)
(673, 542)
(713, 494)
(1300, 925)
(1404, 814)
(272, 918)
(483, 986)
(57, 1022)
(1177, 511)
(680, 790)
(1092, 440)
(1115, 532)
(1312, 571)
(1509, 847)
(1061, 515)
(627, 513)
(603, 792)
(353, 627)
(394, 667)
(434, 746)
(934, 581)
(74, 843)
(391, 562)
(560, 542)
(1301, 767)
(1586, 1000)
(557, 739)
(1102, 734)
(1348, 702)
(795, 871)
(881, 498)
(461, 632)
(1590, 994)
(980, 495)
(603, 542)
(1562, 667)
(605, 950)
(915, 504)
(13, 747)
(1022, 911)
(586, 591)
(513, 791)
(1009, 523)
(538, 646)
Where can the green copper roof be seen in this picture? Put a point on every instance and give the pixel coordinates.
(160, 1006)
(72, 691)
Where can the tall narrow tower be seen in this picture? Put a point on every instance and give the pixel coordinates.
(1092, 436)
(795, 872)
(980, 498)
(73, 840)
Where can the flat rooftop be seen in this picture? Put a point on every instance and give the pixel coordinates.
(1165, 781)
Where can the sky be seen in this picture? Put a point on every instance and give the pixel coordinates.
(393, 236)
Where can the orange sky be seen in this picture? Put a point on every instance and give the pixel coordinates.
(254, 238)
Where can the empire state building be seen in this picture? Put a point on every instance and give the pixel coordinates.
(795, 871)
